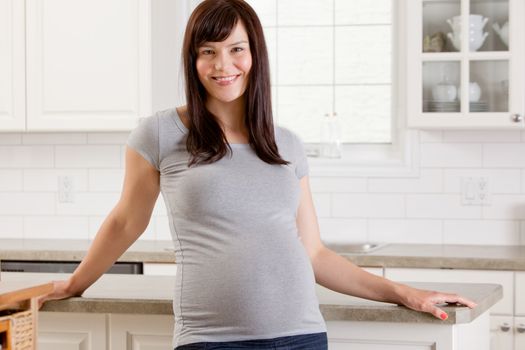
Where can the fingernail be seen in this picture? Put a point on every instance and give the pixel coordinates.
(444, 316)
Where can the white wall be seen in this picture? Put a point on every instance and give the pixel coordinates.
(425, 209)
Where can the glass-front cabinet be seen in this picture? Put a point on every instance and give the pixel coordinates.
(466, 63)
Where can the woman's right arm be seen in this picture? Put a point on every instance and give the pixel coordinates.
(123, 226)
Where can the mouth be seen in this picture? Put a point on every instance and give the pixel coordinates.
(226, 80)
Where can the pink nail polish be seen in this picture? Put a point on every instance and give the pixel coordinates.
(444, 316)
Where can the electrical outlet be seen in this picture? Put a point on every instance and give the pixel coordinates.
(475, 191)
(66, 189)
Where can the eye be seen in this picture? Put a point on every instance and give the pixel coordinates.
(207, 52)
(238, 49)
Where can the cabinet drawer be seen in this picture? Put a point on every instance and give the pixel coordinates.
(504, 278)
(520, 294)
(160, 269)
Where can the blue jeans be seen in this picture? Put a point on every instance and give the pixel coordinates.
(314, 341)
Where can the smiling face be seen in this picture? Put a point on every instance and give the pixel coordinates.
(224, 67)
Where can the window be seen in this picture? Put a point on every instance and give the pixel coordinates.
(331, 56)
(340, 56)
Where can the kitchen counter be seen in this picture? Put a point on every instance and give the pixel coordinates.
(392, 255)
(127, 294)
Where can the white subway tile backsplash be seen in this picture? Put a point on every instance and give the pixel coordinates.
(322, 204)
(16, 203)
(343, 230)
(499, 180)
(504, 155)
(368, 206)
(10, 139)
(406, 231)
(429, 181)
(93, 156)
(481, 136)
(86, 203)
(26, 157)
(54, 138)
(160, 207)
(56, 227)
(106, 180)
(11, 180)
(301, 62)
(446, 155)
(481, 232)
(338, 184)
(505, 207)
(11, 226)
(305, 12)
(163, 228)
(440, 206)
(46, 180)
(108, 138)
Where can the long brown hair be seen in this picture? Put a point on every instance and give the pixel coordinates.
(213, 21)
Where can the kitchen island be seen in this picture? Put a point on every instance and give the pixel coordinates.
(132, 306)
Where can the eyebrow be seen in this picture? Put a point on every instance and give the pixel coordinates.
(237, 43)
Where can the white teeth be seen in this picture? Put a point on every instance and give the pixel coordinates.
(226, 78)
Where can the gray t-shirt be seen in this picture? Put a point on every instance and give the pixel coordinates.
(242, 271)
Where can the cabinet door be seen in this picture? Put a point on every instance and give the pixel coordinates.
(88, 64)
(504, 278)
(520, 294)
(519, 333)
(465, 78)
(141, 332)
(71, 331)
(12, 66)
(501, 329)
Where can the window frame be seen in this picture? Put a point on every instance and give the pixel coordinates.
(398, 158)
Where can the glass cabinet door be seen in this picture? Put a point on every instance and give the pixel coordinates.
(465, 71)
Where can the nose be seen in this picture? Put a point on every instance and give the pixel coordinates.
(221, 61)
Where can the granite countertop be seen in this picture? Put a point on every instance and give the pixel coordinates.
(139, 294)
(391, 255)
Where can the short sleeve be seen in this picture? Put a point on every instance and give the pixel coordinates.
(145, 140)
(301, 168)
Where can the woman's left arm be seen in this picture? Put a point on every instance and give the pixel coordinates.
(339, 274)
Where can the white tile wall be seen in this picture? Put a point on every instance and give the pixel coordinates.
(422, 209)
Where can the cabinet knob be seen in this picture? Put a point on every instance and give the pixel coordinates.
(521, 328)
(505, 327)
(517, 118)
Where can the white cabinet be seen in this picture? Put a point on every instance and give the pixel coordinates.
(141, 332)
(413, 336)
(501, 329)
(86, 331)
(12, 67)
(465, 79)
(86, 63)
(71, 331)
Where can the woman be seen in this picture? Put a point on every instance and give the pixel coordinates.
(241, 214)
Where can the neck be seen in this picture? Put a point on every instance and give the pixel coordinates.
(230, 115)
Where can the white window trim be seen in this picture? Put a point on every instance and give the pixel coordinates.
(401, 157)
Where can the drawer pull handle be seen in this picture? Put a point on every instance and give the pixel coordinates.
(505, 327)
(521, 328)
